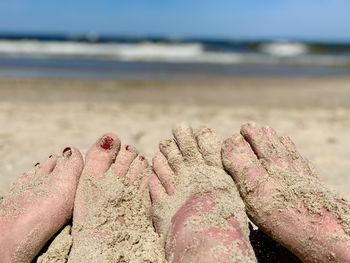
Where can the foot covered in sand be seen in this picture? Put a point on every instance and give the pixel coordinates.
(284, 196)
(112, 221)
(38, 205)
(197, 209)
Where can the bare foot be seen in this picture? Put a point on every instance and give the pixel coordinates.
(284, 196)
(112, 221)
(197, 208)
(38, 205)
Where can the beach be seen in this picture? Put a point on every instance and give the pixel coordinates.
(41, 117)
(187, 131)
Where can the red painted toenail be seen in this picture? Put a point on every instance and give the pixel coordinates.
(106, 143)
(141, 158)
(37, 164)
(50, 156)
(127, 147)
(67, 152)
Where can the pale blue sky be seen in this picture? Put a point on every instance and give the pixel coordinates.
(306, 19)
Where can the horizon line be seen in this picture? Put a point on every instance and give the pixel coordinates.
(175, 37)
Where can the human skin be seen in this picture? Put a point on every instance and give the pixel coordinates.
(284, 196)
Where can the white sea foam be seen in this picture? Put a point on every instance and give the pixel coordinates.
(122, 51)
(270, 54)
(284, 49)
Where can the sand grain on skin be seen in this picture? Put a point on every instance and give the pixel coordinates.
(291, 187)
(59, 249)
(199, 179)
(294, 187)
(30, 190)
(31, 185)
(117, 227)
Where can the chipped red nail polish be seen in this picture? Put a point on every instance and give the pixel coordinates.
(127, 147)
(106, 143)
(141, 158)
(37, 164)
(67, 152)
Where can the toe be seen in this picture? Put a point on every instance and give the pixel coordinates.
(124, 159)
(164, 172)
(101, 155)
(173, 155)
(264, 141)
(27, 178)
(69, 167)
(136, 170)
(299, 163)
(48, 166)
(241, 162)
(210, 146)
(157, 191)
(290, 146)
(187, 143)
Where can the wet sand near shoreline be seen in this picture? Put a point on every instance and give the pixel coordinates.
(41, 117)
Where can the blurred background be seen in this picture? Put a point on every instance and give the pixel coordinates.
(72, 70)
(151, 40)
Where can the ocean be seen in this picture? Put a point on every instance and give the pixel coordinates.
(125, 58)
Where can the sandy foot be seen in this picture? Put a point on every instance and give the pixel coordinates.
(197, 208)
(38, 205)
(59, 249)
(284, 196)
(112, 221)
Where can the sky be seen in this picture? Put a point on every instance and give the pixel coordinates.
(249, 19)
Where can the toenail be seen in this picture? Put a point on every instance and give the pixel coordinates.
(252, 123)
(249, 125)
(237, 137)
(67, 152)
(50, 156)
(206, 131)
(107, 143)
(127, 147)
(141, 158)
(166, 143)
(37, 164)
(239, 140)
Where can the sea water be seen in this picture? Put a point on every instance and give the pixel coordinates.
(83, 57)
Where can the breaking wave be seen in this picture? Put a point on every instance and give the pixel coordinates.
(186, 52)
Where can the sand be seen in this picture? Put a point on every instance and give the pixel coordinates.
(118, 225)
(59, 249)
(38, 118)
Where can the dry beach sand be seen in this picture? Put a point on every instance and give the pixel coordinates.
(40, 117)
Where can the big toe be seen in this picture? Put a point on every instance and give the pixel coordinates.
(264, 141)
(242, 163)
(101, 155)
(98, 160)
